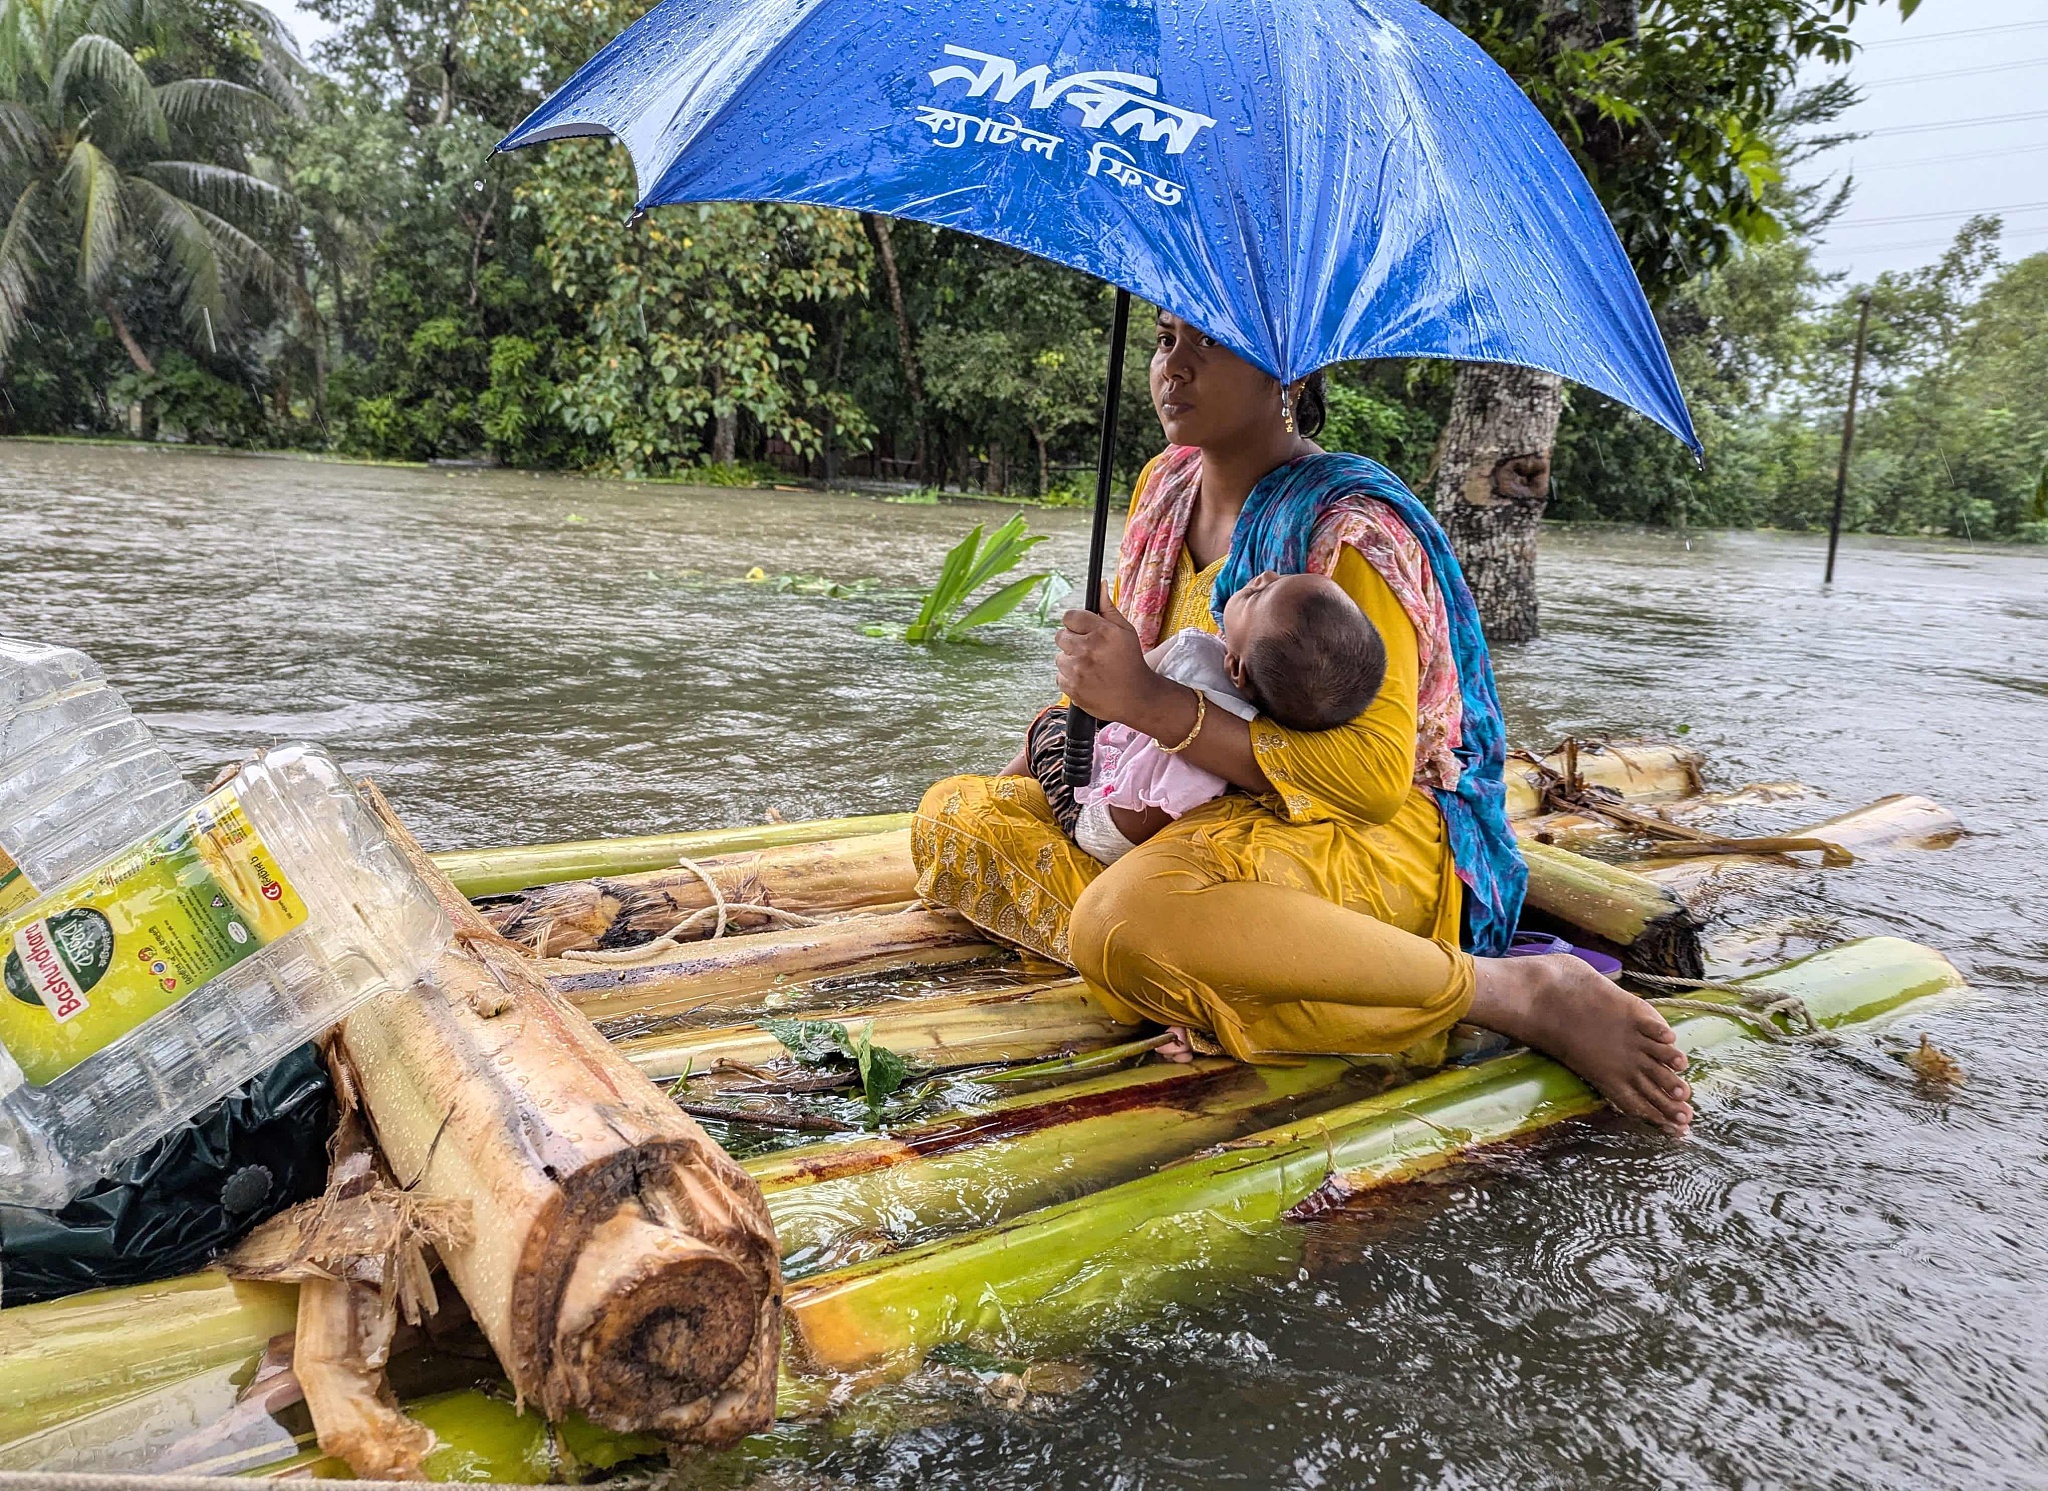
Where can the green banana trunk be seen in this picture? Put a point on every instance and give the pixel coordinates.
(497, 872)
(836, 1203)
(1019, 1023)
(1063, 1276)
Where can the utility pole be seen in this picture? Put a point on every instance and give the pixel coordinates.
(1848, 436)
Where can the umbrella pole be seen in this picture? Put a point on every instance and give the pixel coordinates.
(1081, 724)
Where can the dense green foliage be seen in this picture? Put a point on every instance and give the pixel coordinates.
(1952, 437)
(201, 233)
(131, 194)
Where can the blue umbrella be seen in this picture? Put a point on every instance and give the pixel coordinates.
(1308, 181)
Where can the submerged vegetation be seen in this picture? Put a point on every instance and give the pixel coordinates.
(949, 610)
(878, 1071)
(204, 237)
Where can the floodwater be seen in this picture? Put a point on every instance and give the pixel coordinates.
(1840, 1281)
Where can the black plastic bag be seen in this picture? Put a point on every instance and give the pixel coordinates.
(185, 1199)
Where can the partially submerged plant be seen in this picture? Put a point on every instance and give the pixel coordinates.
(821, 585)
(1933, 1067)
(823, 1043)
(948, 612)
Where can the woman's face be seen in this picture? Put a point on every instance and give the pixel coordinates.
(1207, 395)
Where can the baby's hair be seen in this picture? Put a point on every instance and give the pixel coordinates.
(1322, 671)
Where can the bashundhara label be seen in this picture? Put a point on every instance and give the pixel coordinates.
(91, 962)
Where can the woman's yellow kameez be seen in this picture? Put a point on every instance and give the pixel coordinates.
(1320, 917)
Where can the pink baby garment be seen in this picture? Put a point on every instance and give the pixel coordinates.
(1133, 770)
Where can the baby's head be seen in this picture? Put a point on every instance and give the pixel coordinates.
(1302, 650)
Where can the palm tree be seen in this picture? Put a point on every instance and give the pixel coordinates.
(119, 157)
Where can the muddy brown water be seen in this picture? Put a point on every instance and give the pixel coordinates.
(1839, 1282)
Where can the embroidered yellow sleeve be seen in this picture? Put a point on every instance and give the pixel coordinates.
(1366, 768)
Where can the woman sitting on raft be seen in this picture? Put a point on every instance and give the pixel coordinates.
(1318, 909)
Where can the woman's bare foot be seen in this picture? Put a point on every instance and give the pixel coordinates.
(1615, 1041)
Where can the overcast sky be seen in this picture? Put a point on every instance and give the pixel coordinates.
(1977, 72)
(1954, 117)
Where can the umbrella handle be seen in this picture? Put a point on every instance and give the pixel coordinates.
(1081, 724)
(1080, 746)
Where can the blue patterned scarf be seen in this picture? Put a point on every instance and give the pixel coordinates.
(1274, 533)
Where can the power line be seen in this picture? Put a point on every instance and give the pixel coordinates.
(1919, 243)
(1942, 160)
(1914, 41)
(1935, 217)
(1957, 72)
(1916, 129)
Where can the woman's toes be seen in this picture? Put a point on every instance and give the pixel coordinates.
(1654, 1025)
(1652, 1092)
(1635, 1103)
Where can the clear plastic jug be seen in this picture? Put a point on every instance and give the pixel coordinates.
(167, 975)
(79, 775)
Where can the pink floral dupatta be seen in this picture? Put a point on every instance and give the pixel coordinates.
(1149, 558)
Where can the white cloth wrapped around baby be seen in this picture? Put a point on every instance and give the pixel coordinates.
(1134, 771)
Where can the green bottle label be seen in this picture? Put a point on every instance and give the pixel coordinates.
(89, 963)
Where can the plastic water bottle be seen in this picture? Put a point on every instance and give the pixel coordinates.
(79, 775)
(165, 976)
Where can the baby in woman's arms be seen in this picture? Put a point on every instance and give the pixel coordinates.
(1294, 648)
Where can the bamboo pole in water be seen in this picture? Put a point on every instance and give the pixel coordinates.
(495, 872)
(1642, 922)
(732, 972)
(1067, 1274)
(619, 1263)
(1026, 1023)
(827, 878)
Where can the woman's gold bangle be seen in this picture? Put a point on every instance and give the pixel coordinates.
(1201, 715)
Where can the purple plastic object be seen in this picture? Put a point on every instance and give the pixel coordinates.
(1542, 944)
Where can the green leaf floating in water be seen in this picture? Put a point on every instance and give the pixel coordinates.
(882, 1071)
(812, 1042)
(828, 1043)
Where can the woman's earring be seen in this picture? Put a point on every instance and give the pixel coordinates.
(1286, 410)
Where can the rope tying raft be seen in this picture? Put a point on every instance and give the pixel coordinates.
(1568, 790)
(670, 941)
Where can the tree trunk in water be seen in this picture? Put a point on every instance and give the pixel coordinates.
(1492, 477)
(1038, 440)
(878, 228)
